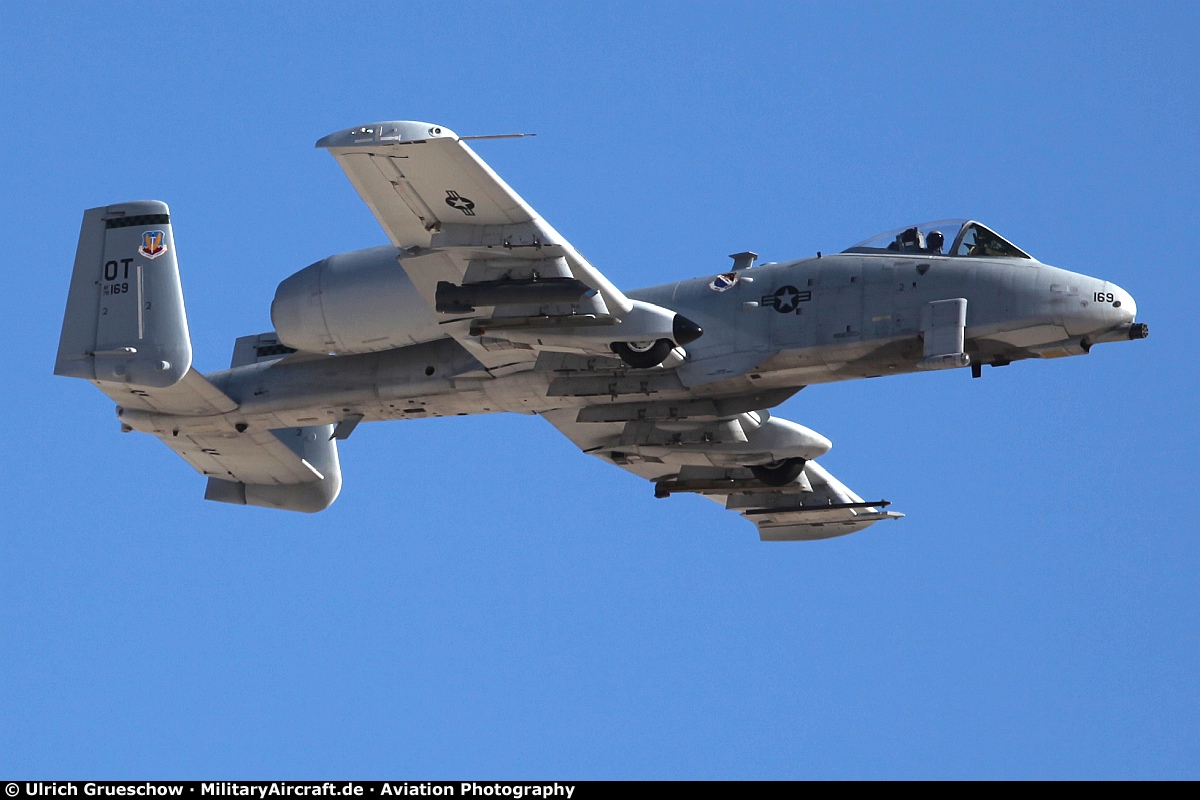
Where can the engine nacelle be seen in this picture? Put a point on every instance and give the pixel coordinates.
(359, 302)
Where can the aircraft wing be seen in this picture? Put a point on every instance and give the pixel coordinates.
(502, 281)
(816, 505)
(439, 201)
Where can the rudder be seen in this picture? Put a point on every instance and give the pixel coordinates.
(125, 320)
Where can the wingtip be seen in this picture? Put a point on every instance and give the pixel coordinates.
(394, 132)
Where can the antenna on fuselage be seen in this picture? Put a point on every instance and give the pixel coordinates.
(743, 260)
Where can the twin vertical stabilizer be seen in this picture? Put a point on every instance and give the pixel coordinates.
(125, 320)
(126, 331)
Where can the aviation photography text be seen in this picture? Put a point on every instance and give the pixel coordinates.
(264, 789)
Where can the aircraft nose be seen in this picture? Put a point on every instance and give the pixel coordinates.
(1103, 306)
(1122, 303)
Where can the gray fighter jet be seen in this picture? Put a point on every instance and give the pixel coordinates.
(479, 306)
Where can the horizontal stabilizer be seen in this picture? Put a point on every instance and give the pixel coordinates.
(291, 468)
(294, 469)
(192, 396)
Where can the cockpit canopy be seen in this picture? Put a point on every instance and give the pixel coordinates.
(946, 237)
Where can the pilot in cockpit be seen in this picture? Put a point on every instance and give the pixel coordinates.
(909, 240)
(912, 240)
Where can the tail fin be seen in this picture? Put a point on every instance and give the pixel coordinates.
(125, 321)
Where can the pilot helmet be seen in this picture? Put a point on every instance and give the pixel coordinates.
(935, 240)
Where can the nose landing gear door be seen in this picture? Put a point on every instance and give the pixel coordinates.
(942, 325)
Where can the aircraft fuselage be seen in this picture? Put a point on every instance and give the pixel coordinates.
(818, 320)
(479, 305)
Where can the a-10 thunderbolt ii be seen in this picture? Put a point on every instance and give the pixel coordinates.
(479, 306)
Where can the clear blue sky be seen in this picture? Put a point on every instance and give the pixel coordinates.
(484, 601)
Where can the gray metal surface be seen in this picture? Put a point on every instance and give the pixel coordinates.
(404, 332)
(125, 322)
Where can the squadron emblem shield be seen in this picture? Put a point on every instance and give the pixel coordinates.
(154, 244)
(723, 282)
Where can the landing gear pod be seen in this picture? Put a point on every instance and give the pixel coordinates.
(643, 355)
(779, 473)
(651, 353)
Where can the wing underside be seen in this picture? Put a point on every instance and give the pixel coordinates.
(699, 456)
(498, 276)
(431, 192)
